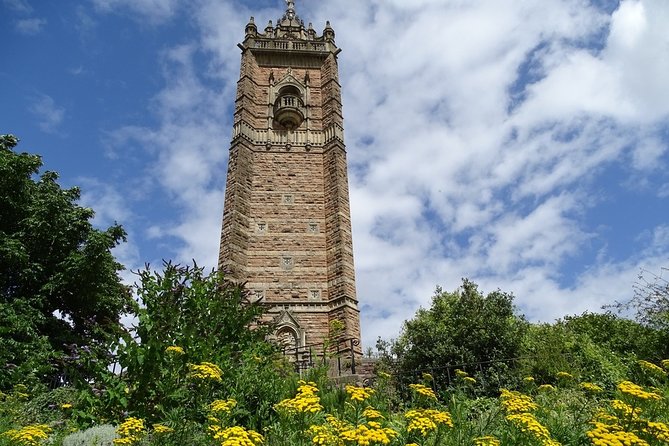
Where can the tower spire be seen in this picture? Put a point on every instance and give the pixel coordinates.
(290, 14)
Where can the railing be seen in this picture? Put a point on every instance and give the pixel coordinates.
(308, 356)
(282, 137)
(290, 45)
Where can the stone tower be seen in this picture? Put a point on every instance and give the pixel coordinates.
(286, 223)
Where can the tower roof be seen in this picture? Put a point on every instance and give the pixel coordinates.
(290, 17)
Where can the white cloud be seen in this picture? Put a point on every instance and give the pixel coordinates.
(477, 133)
(20, 6)
(49, 114)
(155, 11)
(30, 26)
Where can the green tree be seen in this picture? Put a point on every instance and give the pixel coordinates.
(624, 337)
(59, 284)
(462, 327)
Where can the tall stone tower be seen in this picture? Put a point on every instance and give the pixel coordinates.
(286, 223)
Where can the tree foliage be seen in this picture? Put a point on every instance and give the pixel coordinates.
(461, 327)
(59, 283)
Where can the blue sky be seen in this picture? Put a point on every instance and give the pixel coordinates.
(524, 145)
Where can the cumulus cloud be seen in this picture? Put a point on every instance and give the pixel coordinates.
(478, 134)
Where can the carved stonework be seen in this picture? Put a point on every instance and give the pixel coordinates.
(286, 222)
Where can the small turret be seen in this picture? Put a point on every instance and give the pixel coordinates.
(251, 28)
(328, 32)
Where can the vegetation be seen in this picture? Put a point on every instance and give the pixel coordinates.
(196, 368)
(59, 287)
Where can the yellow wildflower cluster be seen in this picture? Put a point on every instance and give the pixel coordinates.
(529, 379)
(591, 387)
(423, 390)
(383, 375)
(627, 411)
(324, 436)
(516, 402)
(33, 435)
(427, 420)
(564, 375)
(518, 407)
(469, 380)
(205, 371)
(486, 441)
(526, 422)
(66, 406)
(629, 388)
(222, 406)
(368, 434)
(649, 366)
(372, 414)
(160, 428)
(658, 430)
(460, 373)
(358, 393)
(613, 435)
(545, 388)
(428, 377)
(175, 349)
(130, 431)
(236, 436)
(306, 400)
(665, 363)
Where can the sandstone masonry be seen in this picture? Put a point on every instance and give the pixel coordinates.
(286, 222)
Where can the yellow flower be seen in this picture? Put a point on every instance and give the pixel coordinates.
(516, 402)
(604, 434)
(130, 431)
(66, 406)
(629, 388)
(564, 375)
(460, 373)
(371, 414)
(160, 428)
(175, 349)
(527, 423)
(205, 371)
(486, 441)
(358, 393)
(665, 363)
(425, 421)
(371, 433)
(306, 400)
(222, 406)
(469, 380)
(545, 388)
(591, 387)
(649, 366)
(423, 390)
(658, 430)
(384, 375)
(32, 435)
(529, 379)
(237, 436)
(428, 377)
